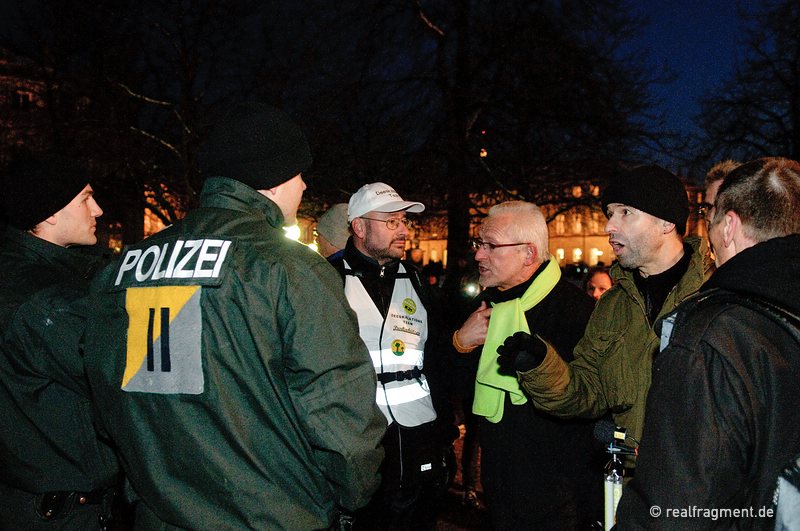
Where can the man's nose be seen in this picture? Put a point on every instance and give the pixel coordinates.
(96, 210)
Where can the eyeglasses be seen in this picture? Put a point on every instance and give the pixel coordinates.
(392, 223)
(478, 244)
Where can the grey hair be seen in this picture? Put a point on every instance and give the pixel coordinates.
(529, 226)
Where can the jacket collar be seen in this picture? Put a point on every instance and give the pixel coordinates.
(769, 269)
(230, 194)
(44, 252)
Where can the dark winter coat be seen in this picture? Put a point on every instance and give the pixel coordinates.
(537, 469)
(613, 360)
(47, 440)
(723, 414)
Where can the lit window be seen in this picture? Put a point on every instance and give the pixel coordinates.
(577, 223)
(594, 256)
(560, 222)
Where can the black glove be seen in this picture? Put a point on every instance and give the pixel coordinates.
(521, 353)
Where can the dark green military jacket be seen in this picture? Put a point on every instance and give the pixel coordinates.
(228, 369)
(614, 359)
(47, 440)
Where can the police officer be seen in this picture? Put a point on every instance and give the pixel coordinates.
(54, 471)
(235, 402)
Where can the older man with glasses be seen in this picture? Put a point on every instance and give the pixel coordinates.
(395, 316)
(535, 470)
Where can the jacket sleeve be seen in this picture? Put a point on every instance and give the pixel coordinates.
(569, 389)
(332, 385)
(45, 335)
(694, 450)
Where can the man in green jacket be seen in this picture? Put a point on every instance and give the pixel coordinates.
(226, 364)
(647, 208)
(55, 473)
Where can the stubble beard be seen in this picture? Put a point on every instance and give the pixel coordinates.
(386, 254)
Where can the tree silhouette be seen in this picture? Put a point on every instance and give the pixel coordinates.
(135, 84)
(756, 112)
(408, 92)
(413, 91)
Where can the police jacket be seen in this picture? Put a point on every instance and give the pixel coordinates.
(723, 414)
(47, 441)
(231, 374)
(613, 360)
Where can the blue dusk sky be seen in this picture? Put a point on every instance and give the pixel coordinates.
(697, 41)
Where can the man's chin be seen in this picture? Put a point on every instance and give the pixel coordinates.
(626, 263)
(89, 240)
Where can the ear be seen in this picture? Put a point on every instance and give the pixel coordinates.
(52, 220)
(531, 254)
(358, 228)
(667, 227)
(731, 227)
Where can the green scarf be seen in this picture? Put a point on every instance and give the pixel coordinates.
(506, 319)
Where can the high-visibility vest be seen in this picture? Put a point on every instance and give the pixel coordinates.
(397, 347)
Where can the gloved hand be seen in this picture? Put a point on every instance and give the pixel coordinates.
(521, 353)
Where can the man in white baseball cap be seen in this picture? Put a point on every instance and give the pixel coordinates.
(377, 216)
(395, 313)
(379, 197)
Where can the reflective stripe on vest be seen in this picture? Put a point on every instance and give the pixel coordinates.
(395, 344)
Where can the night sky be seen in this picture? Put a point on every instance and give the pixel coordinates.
(697, 41)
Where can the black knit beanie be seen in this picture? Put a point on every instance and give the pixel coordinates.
(257, 145)
(651, 189)
(37, 185)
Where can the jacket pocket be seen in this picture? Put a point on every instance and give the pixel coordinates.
(615, 372)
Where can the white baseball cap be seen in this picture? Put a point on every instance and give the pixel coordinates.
(379, 197)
